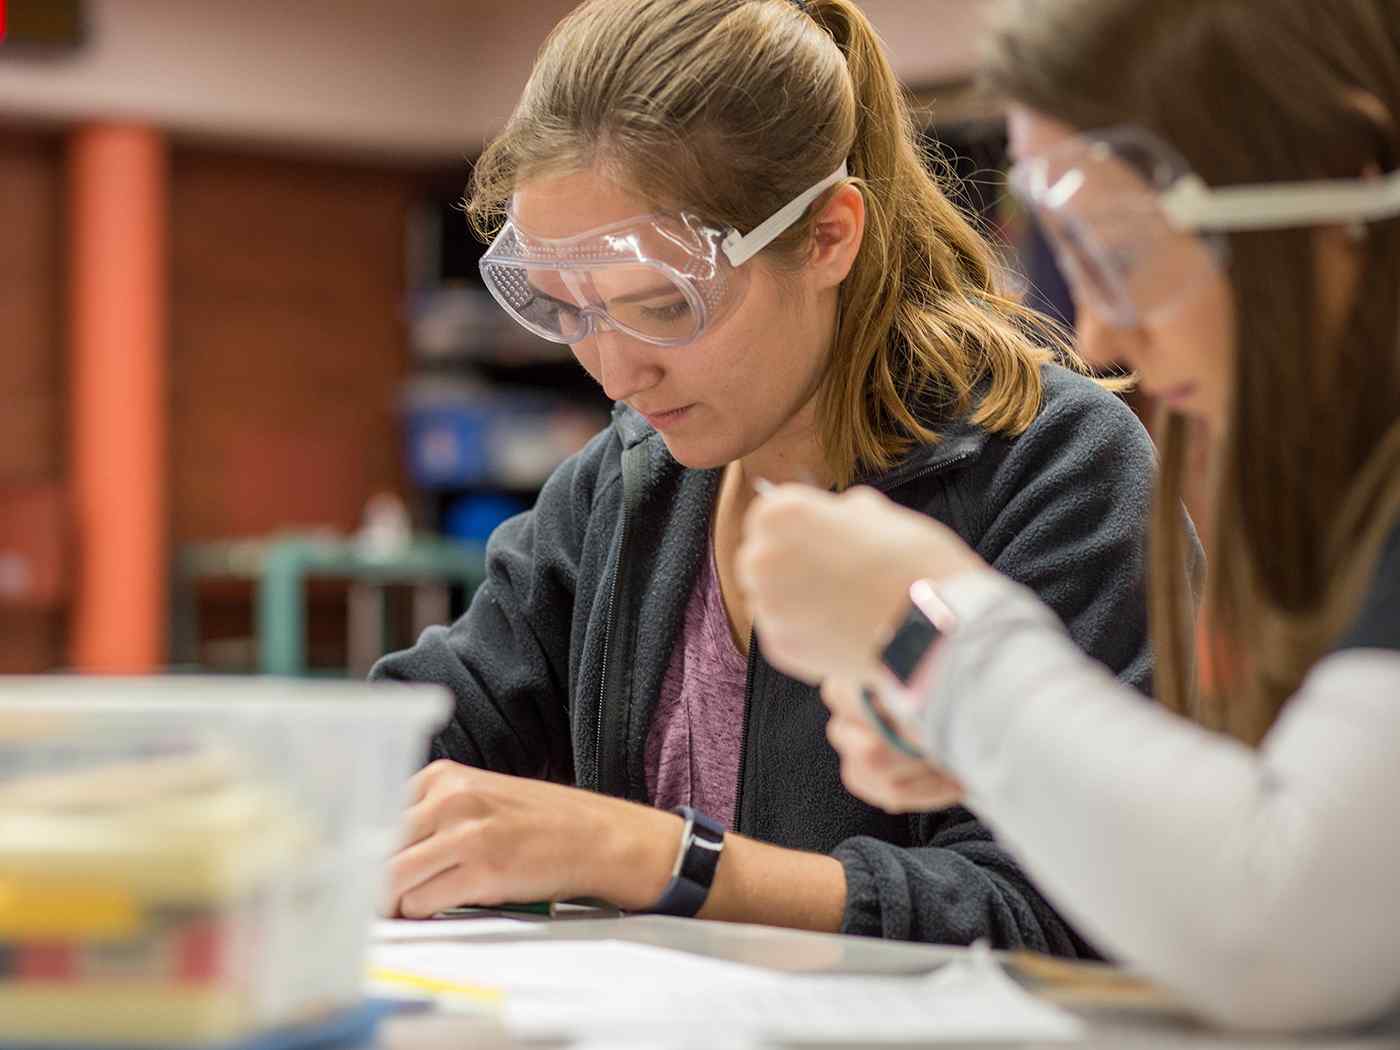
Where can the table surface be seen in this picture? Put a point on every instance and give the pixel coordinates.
(801, 952)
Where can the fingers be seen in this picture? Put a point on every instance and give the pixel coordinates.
(860, 745)
(446, 889)
(418, 864)
(875, 772)
(431, 775)
(785, 650)
(431, 832)
(771, 524)
(419, 822)
(920, 794)
(842, 697)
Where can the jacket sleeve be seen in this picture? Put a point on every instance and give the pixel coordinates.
(1258, 884)
(506, 660)
(958, 886)
(1062, 510)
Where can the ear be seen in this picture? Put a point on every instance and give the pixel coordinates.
(837, 236)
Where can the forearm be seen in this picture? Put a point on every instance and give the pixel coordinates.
(1198, 859)
(761, 883)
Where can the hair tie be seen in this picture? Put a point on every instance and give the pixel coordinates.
(801, 6)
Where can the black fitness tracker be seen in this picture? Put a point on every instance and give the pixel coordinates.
(909, 645)
(702, 842)
(905, 656)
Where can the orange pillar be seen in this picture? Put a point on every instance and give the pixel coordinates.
(117, 317)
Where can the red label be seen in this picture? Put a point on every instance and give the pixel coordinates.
(2, 21)
(47, 962)
(200, 948)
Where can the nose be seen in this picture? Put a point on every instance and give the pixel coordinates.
(1104, 345)
(623, 366)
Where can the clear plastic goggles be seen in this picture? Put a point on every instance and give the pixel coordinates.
(1136, 232)
(662, 278)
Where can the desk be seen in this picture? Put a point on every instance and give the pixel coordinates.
(795, 951)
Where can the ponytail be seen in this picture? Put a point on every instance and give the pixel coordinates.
(923, 322)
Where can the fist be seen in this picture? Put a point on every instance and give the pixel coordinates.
(827, 576)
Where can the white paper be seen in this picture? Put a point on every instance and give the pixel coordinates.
(398, 930)
(566, 967)
(600, 989)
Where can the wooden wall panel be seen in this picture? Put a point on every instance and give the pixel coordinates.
(288, 342)
(31, 357)
(288, 350)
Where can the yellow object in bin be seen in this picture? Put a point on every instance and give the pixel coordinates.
(53, 910)
(187, 871)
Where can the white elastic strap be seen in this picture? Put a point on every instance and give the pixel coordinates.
(740, 250)
(1192, 205)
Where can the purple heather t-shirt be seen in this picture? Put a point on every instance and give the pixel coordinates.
(697, 731)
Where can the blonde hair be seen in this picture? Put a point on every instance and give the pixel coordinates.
(731, 108)
(1307, 479)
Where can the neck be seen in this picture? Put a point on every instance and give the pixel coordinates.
(793, 455)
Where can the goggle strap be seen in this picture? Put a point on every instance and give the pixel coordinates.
(1192, 205)
(740, 249)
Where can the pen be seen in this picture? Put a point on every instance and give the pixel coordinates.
(545, 908)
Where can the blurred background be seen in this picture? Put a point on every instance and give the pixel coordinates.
(256, 411)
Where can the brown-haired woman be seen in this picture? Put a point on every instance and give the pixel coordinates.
(1220, 177)
(852, 330)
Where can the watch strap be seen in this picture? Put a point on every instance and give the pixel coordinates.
(702, 844)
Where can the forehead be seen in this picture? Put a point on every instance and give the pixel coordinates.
(566, 205)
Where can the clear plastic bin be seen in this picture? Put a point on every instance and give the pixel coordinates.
(191, 861)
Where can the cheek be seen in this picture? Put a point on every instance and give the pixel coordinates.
(1203, 336)
(586, 354)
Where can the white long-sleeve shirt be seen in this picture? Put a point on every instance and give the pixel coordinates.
(1263, 886)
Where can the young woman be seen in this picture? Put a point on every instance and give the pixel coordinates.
(719, 204)
(1220, 179)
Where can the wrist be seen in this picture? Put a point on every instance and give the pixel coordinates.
(637, 854)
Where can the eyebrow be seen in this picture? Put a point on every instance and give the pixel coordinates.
(537, 290)
(654, 292)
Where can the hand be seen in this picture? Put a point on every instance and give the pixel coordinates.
(873, 770)
(479, 838)
(827, 577)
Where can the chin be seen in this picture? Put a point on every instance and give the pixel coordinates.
(699, 455)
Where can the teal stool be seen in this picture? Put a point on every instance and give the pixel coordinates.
(281, 567)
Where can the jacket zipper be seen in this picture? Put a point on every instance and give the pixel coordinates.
(744, 737)
(753, 653)
(607, 639)
(630, 460)
(936, 468)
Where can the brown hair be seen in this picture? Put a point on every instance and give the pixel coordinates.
(1307, 481)
(731, 108)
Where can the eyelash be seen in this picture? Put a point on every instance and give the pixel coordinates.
(671, 312)
(549, 302)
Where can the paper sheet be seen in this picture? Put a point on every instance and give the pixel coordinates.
(389, 931)
(600, 989)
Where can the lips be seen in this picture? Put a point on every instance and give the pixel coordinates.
(1172, 395)
(666, 418)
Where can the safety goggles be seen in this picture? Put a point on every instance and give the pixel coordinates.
(1136, 232)
(663, 278)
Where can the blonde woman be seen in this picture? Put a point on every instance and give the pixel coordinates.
(1220, 177)
(719, 204)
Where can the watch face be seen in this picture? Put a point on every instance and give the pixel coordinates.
(910, 642)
